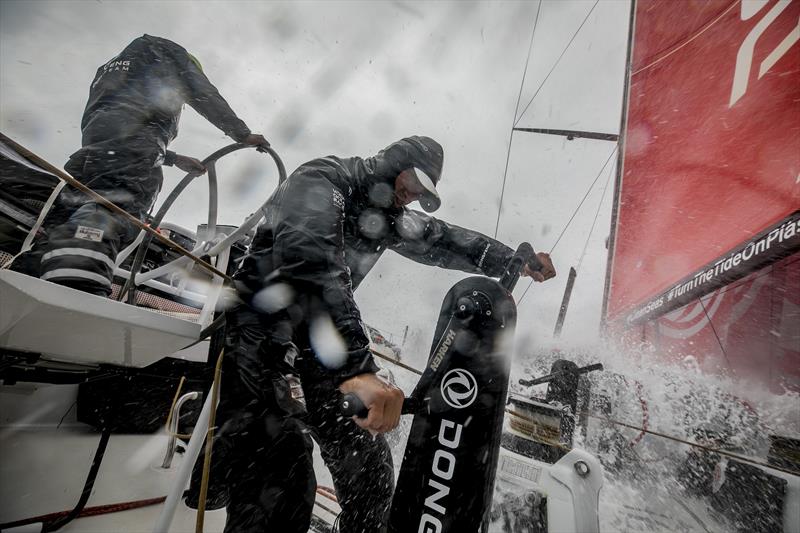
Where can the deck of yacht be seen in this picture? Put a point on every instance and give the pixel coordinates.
(46, 455)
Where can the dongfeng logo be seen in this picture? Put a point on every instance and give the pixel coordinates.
(459, 388)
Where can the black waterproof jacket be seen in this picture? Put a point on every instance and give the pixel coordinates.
(325, 228)
(136, 98)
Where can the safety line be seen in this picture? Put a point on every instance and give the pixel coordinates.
(64, 176)
(664, 435)
(695, 445)
(86, 512)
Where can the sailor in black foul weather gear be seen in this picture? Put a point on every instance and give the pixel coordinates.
(325, 228)
(134, 106)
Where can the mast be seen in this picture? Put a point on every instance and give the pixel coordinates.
(562, 313)
(620, 161)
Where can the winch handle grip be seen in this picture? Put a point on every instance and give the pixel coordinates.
(525, 255)
(351, 405)
(550, 377)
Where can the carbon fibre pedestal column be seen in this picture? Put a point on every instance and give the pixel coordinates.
(447, 478)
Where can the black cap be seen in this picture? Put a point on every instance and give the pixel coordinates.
(426, 157)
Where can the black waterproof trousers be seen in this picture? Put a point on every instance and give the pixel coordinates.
(265, 440)
(82, 238)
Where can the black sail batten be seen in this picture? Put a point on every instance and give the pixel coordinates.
(573, 134)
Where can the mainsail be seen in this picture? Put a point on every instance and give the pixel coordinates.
(704, 257)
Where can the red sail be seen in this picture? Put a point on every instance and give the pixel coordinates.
(710, 190)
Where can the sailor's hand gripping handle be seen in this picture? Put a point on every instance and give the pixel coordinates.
(351, 405)
(523, 256)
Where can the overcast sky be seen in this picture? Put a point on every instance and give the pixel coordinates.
(349, 78)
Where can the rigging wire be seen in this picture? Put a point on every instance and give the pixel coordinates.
(556, 63)
(584, 198)
(514, 121)
(527, 60)
(518, 117)
(596, 216)
(714, 330)
(530, 284)
(66, 413)
(519, 302)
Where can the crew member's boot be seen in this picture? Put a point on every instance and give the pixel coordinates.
(81, 252)
(27, 263)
